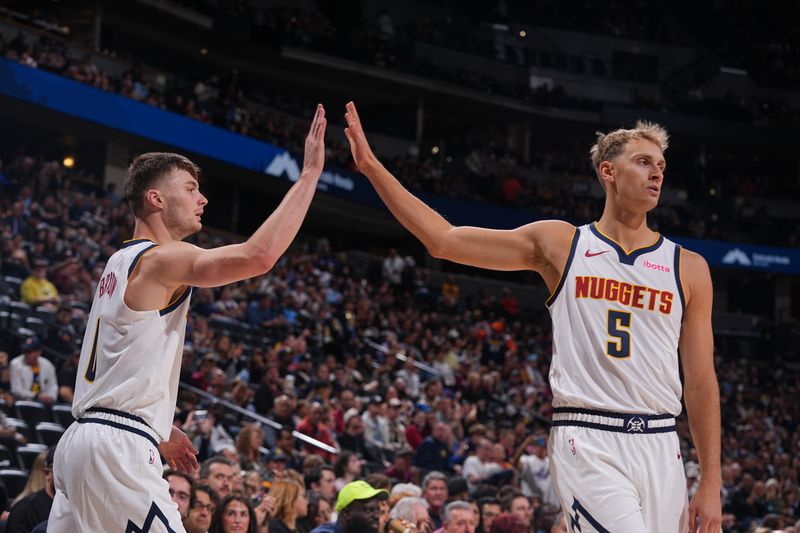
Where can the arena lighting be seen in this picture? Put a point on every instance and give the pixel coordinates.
(203, 51)
(435, 150)
(523, 33)
(68, 161)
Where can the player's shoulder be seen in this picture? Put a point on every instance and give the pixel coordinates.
(692, 261)
(550, 229)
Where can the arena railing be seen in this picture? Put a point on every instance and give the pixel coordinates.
(215, 400)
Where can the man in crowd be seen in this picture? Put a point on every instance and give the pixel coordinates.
(181, 490)
(198, 520)
(359, 509)
(33, 377)
(218, 473)
(434, 490)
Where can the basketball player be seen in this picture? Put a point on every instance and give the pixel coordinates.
(108, 469)
(623, 300)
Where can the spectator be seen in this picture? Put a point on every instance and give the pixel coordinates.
(181, 490)
(234, 515)
(393, 266)
(198, 520)
(434, 490)
(248, 443)
(560, 524)
(322, 480)
(347, 469)
(358, 509)
(280, 413)
(37, 289)
(319, 512)
(458, 518)
(535, 470)
(412, 513)
(376, 428)
(218, 473)
(291, 505)
(490, 509)
(313, 426)
(285, 444)
(354, 441)
(34, 508)
(402, 470)
(33, 377)
(478, 467)
(67, 376)
(520, 506)
(434, 452)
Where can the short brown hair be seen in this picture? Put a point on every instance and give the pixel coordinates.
(148, 168)
(610, 145)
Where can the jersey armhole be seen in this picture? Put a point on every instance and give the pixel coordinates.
(573, 244)
(678, 281)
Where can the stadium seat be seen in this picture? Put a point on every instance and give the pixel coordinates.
(20, 308)
(37, 325)
(28, 454)
(20, 426)
(32, 412)
(6, 457)
(14, 480)
(62, 413)
(49, 433)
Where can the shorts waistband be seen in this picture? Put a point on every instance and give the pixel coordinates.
(120, 420)
(615, 422)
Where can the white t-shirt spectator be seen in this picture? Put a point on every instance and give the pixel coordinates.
(539, 469)
(475, 468)
(25, 385)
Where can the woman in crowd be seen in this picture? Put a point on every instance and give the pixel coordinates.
(290, 506)
(234, 514)
(319, 512)
(248, 442)
(347, 468)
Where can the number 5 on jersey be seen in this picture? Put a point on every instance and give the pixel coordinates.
(91, 369)
(619, 329)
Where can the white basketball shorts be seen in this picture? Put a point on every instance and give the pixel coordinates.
(618, 473)
(108, 478)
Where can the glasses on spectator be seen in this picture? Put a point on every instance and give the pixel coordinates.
(181, 495)
(210, 507)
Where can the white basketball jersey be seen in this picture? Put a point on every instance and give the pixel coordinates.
(130, 360)
(616, 325)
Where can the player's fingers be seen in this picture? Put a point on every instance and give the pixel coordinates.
(321, 130)
(347, 134)
(692, 520)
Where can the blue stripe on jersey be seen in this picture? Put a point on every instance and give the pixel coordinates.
(678, 275)
(574, 244)
(134, 242)
(624, 257)
(152, 514)
(139, 257)
(178, 301)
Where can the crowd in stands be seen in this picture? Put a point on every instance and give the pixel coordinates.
(475, 165)
(438, 397)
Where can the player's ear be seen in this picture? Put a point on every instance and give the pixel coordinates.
(154, 197)
(606, 172)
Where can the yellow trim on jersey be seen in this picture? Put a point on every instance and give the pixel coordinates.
(658, 236)
(175, 298)
(138, 259)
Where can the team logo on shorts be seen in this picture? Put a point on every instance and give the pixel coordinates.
(635, 425)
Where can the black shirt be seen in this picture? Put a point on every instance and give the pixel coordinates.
(28, 512)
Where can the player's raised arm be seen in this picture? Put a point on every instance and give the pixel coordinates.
(522, 248)
(701, 391)
(180, 263)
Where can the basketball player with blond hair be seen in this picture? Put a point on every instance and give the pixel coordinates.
(625, 302)
(107, 466)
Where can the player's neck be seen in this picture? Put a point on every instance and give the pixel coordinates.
(628, 229)
(152, 228)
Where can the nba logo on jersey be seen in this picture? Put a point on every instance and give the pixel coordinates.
(152, 457)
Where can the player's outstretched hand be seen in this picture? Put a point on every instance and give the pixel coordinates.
(179, 452)
(705, 510)
(359, 147)
(314, 157)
